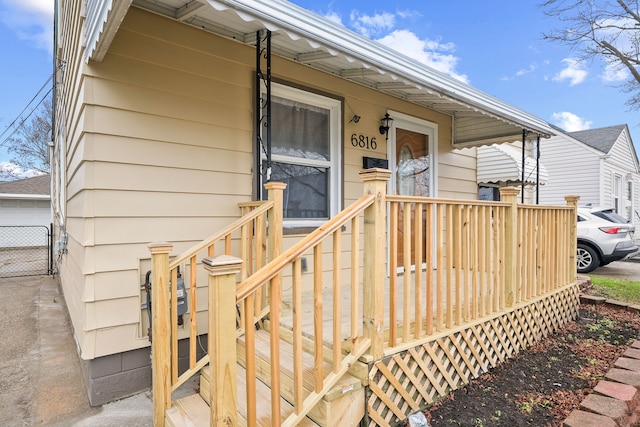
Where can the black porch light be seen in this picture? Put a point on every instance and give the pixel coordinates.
(386, 124)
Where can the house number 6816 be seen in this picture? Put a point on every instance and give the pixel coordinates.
(363, 141)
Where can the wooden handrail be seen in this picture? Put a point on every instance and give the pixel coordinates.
(236, 225)
(421, 199)
(269, 271)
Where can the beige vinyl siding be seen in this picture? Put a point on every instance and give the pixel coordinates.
(573, 169)
(68, 115)
(456, 171)
(161, 144)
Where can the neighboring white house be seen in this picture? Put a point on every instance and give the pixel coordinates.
(25, 201)
(599, 165)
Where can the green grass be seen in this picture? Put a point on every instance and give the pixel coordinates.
(618, 289)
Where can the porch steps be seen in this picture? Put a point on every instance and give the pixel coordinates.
(343, 405)
(193, 410)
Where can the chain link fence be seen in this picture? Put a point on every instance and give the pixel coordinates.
(25, 251)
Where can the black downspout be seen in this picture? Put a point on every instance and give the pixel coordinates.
(524, 135)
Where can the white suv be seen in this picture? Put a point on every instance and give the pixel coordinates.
(603, 237)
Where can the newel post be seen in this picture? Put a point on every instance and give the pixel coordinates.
(223, 386)
(510, 195)
(374, 260)
(160, 331)
(276, 191)
(573, 235)
(275, 216)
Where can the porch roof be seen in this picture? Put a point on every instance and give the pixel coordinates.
(308, 38)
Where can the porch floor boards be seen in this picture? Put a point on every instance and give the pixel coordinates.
(345, 317)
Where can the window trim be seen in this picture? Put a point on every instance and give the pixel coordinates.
(616, 195)
(334, 164)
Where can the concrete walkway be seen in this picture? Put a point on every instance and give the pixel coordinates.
(40, 374)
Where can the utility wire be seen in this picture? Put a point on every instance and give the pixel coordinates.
(22, 122)
(19, 117)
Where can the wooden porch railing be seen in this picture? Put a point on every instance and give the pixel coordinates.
(247, 239)
(393, 270)
(476, 258)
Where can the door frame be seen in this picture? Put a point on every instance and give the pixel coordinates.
(414, 124)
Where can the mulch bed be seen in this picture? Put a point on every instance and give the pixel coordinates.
(543, 383)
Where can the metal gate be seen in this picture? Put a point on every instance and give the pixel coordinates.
(26, 250)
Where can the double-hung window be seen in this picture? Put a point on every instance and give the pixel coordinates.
(305, 154)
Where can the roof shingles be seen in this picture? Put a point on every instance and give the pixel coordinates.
(601, 139)
(37, 185)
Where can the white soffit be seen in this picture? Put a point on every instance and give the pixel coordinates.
(503, 163)
(308, 38)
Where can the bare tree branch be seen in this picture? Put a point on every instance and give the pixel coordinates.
(606, 30)
(30, 146)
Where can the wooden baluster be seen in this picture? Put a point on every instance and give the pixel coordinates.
(406, 293)
(429, 269)
(393, 272)
(419, 244)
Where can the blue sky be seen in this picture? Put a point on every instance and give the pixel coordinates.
(495, 45)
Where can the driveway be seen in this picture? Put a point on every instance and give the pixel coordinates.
(40, 374)
(41, 380)
(628, 270)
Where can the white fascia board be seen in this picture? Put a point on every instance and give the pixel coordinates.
(320, 32)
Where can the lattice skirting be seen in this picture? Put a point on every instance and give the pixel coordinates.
(413, 379)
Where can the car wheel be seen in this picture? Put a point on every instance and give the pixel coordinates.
(587, 259)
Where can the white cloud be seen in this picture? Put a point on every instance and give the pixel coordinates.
(428, 52)
(570, 122)
(381, 27)
(574, 72)
(615, 73)
(523, 71)
(31, 20)
(10, 171)
(370, 25)
(334, 16)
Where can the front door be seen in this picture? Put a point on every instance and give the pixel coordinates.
(413, 172)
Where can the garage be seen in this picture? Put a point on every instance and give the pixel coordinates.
(25, 227)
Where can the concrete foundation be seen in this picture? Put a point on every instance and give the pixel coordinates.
(121, 375)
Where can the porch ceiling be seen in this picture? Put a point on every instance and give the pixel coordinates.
(303, 36)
